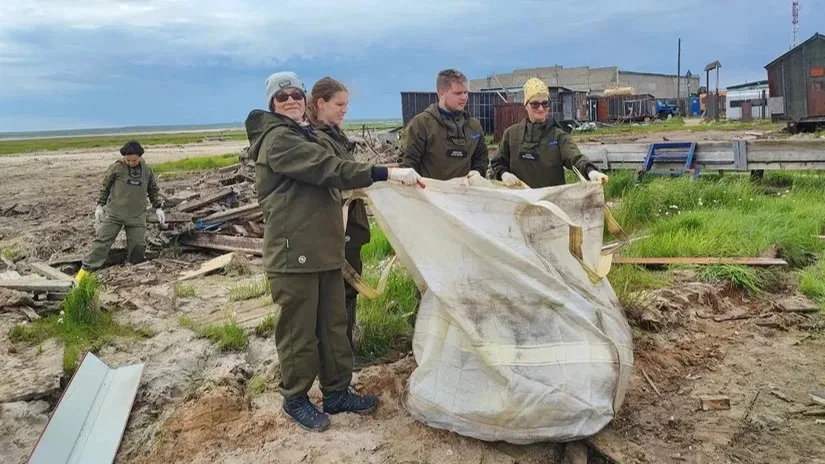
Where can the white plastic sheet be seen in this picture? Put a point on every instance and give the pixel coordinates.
(513, 340)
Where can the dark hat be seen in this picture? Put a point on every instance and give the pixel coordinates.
(132, 147)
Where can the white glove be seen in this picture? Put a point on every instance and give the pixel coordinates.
(597, 176)
(510, 180)
(161, 216)
(473, 173)
(406, 176)
(98, 214)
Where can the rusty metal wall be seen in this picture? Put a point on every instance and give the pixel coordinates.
(505, 115)
(790, 77)
(641, 106)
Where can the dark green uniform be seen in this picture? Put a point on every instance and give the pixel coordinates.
(298, 184)
(537, 152)
(444, 146)
(123, 194)
(357, 232)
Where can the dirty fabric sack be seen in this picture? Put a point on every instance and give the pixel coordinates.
(513, 340)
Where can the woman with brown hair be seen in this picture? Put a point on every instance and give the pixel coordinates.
(326, 109)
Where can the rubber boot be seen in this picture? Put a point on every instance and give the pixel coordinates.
(349, 401)
(308, 417)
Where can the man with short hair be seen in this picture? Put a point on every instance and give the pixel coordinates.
(444, 141)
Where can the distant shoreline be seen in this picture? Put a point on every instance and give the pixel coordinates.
(146, 130)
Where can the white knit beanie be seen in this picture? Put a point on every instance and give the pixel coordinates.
(282, 80)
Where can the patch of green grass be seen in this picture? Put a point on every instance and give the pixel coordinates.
(630, 282)
(742, 277)
(250, 290)
(378, 248)
(812, 281)
(678, 124)
(266, 327)
(371, 125)
(257, 386)
(10, 253)
(184, 290)
(387, 321)
(201, 163)
(82, 326)
(114, 141)
(228, 336)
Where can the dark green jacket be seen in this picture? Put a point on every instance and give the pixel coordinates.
(298, 184)
(124, 191)
(442, 147)
(358, 224)
(537, 152)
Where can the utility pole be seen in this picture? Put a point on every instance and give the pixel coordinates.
(679, 77)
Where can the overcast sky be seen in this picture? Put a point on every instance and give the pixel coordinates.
(67, 64)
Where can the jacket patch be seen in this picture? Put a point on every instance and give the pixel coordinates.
(529, 156)
(553, 143)
(456, 153)
(133, 182)
(475, 136)
(302, 259)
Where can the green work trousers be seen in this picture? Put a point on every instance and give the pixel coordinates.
(106, 236)
(311, 332)
(353, 256)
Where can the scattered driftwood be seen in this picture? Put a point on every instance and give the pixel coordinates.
(30, 284)
(209, 267)
(714, 403)
(49, 272)
(650, 381)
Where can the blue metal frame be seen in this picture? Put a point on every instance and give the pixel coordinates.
(687, 154)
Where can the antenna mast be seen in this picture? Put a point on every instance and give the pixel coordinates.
(795, 22)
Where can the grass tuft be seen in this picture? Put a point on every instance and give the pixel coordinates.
(812, 281)
(257, 386)
(631, 283)
(741, 277)
(266, 327)
(184, 290)
(250, 290)
(228, 336)
(196, 164)
(82, 326)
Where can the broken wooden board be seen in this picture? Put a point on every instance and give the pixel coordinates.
(29, 313)
(714, 403)
(213, 265)
(247, 314)
(797, 304)
(189, 207)
(700, 261)
(9, 275)
(233, 213)
(49, 272)
(818, 397)
(36, 285)
(735, 316)
(171, 218)
(249, 245)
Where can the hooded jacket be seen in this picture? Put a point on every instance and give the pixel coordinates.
(536, 153)
(358, 224)
(443, 147)
(298, 185)
(124, 192)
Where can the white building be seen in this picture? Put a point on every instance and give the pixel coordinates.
(755, 93)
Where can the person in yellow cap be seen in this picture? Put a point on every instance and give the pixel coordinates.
(535, 150)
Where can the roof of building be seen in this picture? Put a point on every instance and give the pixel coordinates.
(747, 85)
(813, 38)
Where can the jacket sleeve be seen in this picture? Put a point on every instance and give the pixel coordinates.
(572, 156)
(106, 186)
(481, 157)
(292, 155)
(414, 146)
(153, 191)
(501, 162)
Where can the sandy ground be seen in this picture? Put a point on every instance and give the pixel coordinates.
(195, 404)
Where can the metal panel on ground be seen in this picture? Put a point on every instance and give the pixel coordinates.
(90, 418)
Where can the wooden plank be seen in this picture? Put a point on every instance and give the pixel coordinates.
(700, 260)
(208, 267)
(49, 272)
(171, 218)
(36, 285)
(9, 275)
(249, 245)
(714, 403)
(189, 207)
(233, 213)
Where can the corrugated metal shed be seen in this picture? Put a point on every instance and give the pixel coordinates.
(631, 107)
(90, 418)
(797, 82)
(736, 99)
(505, 115)
(479, 105)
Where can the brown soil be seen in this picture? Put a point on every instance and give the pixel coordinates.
(194, 404)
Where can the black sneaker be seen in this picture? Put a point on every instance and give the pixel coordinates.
(306, 414)
(349, 401)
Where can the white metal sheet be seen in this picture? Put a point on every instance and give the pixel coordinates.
(88, 423)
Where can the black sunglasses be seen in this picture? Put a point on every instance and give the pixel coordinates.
(536, 105)
(296, 94)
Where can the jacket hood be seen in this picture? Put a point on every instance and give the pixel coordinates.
(258, 124)
(432, 111)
